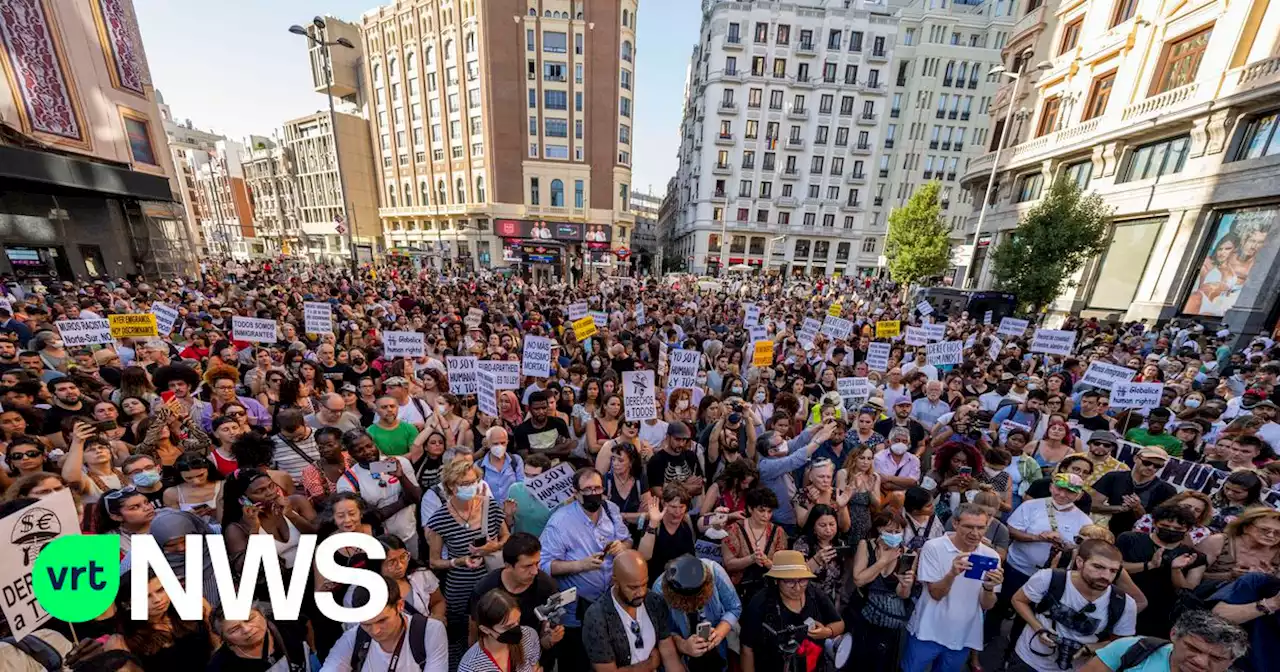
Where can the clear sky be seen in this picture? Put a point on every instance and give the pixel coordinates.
(232, 67)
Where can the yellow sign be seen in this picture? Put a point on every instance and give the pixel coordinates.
(888, 328)
(763, 354)
(835, 310)
(584, 328)
(136, 325)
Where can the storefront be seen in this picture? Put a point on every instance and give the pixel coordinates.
(555, 250)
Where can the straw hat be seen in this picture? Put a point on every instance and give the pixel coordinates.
(789, 565)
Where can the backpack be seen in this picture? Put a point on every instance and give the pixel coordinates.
(1058, 586)
(1141, 650)
(417, 643)
(38, 650)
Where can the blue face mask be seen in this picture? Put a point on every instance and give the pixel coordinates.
(145, 479)
(468, 492)
(891, 539)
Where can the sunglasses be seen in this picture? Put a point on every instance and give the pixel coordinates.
(237, 414)
(635, 630)
(121, 493)
(30, 454)
(1153, 465)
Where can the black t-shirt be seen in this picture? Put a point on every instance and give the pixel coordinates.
(1094, 424)
(664, 468)
(1039, 489)
(1115, 485)
(535, 595)
(56, 414)
(530, 439)
(917, 430)
(290, 635)
(336, 373)
(1157, 582)
(352, 376)
(817, 606)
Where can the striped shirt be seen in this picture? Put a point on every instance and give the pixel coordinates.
(289, 454)
(475, 660)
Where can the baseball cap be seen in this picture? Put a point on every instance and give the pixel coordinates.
(1105, 436)
(1154, 453)
(1068, 481)
(395, 381)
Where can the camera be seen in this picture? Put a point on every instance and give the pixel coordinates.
(788, 638)
(555, 607)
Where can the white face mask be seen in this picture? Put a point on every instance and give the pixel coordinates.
(760, 397)
(682, 405)
(498, 450)
(898, 449)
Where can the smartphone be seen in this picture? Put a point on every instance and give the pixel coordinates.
(981, 565)
(905, 562)
(246, 502)
(718, 519)
(381, 467)
(966, 471)
(105, 425)
(704, 630)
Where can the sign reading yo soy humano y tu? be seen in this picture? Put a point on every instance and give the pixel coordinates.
(317, 317)
(78, 333)
(537, 356)
(684, 369)
(944, 352)
(462, 374)
(553, 486)
(166, 317)
(638, 395)
(253, 329)
(878, 356)
(1053, 341)
(1141, 396)
(403, 344)
(506, 375)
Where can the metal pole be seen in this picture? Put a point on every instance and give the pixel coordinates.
(337, 162)
(724, 242)
(991, 180)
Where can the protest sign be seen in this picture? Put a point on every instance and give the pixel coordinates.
(474, 317)
(79, 333)
(584, 328)
(577, 310)
(1012, 326)
(854, 391)
(537, 356)
(1053, 341)
(934, 332)
(166, 317)
(1185, 475)
(253, 329)
(986, 317)
(708, 550)
(878, 356)
(317, 317)
(837, 327)
(25, 532)
(945, 352)
(486, 394)
(1106, 376)
(762, 353)
(600, 317)
(751, 315)
(133, 325)
(809, 332)
(638, 396)
(639, 313)
(1136, 395)
(553, 486)
(916, 336)
(924, 308)
(835, 310)
(993, 351)
(888, 328)
(684, 369)
(506, 375)
(403, 344)
(462, 375)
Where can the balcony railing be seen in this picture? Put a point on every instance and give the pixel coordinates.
(888, 143)
(933, 144)
(733, 42)
(806, 49)
(941, 114)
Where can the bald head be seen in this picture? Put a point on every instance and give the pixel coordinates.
(630, 578)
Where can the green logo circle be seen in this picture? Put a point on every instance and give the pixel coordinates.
(76, 578)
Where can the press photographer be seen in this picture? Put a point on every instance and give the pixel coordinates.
(786, 624)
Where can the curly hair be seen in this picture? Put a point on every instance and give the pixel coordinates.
(219, 372)
(942, 458)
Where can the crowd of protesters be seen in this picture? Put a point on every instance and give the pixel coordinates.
(996, 513)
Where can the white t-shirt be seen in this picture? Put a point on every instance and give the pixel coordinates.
(648, 636)
(437, 648)
(990, 401)
(1036, 588)
(409, 412)
(655, 433)
(1032, 517)
(955, 621)
(382, 491)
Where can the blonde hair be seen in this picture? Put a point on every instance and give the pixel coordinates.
(455, 471)
(1097, 532)
(1250, 516)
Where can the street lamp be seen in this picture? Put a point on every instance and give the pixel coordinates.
(995, 163)
(333, 123)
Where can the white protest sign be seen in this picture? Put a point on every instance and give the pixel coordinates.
(403, 344)
(853, 388)
(986, 317)
(462, 375)
(809, 332)
(924, 308)
(1053, 341)
(553, 486)
(577, 310)
(600, 318)
(25, 532)
(506, 375)
(758, 333)
(946, 352)
(916, 336)
(1106, 376)
(537, 356)
(77, 333)
(993, 352)
(684, 369)
(474, 317)
(1136, 395)
(166, 317)
(487, 394)
(1012, 326)
(751, 315)
(638, 397)
(935, 332)
(252, 329)
(639, 313)
(837, 327)
(317, 317)
(878, 356)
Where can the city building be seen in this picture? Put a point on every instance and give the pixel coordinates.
(668, 216)
(185, 140)
(783, 124)
(272, 183)
(1169, 113)
(87, 183)
(322, 174)
(940, 91)
(646, 249)
(502, 129)
(223, 200)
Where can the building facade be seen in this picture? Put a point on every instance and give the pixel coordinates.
(272, 184)
(646, 249)
(87, 183)
(222, 196)
(502, 129)
(185, 142)
(783, 123)
(1169, 112)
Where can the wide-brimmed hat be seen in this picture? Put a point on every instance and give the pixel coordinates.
(789, 565)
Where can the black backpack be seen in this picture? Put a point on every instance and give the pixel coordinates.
(1058, 586)
(1141, 650)
(417, 643)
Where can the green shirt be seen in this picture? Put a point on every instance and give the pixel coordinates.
(531, 514)
(1142, 437)
(393, 441)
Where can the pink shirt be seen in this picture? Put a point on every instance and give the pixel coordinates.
(909, 467)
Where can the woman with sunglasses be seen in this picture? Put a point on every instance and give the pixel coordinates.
(125, 512)
(88, 467)
(624, 480)
(25, 455)
(269, 395)
(503, 645)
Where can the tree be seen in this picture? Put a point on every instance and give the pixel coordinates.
(917, 246)
(1053, 241)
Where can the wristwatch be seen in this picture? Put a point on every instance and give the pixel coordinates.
(1262, 608)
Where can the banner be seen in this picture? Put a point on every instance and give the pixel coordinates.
(993, 352)
(553, 486)
(462, 375)
(946, 352)
(403, 344)
(317, 318)
(684, 369)
(1136, 395)
(638, 395)
(133, 325)
(888, 328)
(1012, 326)
(79, 333)
(878, 356)
(25, 532)
(1105, 376)
(1053, 341)
(809, 332)
(916, 336)
(584, 328)
(486, 394)
(837, 327)
(1185, 475)
(506, 375)
(762, 353)
(577, 310)
(166, 317)
(253, 329)
(536, 356)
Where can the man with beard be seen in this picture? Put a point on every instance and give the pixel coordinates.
(902, 419)
(676, 462)
(1066, 609)
(638, 615)
(8, 355)
(66, 403)
(700, 592)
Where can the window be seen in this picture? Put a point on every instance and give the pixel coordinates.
(533, 99)
(842, 137)
(579, 189)
(624, 134)
(533, 125)
(577, 43)
(1028, 187)
(829, 73)
(762, 33)
(557, 128)
(1048, 116)
(869, 245)
(766, 190)
(815, 164)
(624, 195)
(770, 160)
(753, 129)
(810, 219)
(821, 137)
(757, 66)
(855, 40)
(1070, 36)
(624, 107)
(1181, 61)
(825, 103)
(557, 151)
(1099, 95)
(1259, 138)
(557, 194)
(555, 43)
(779, 68)
(754, 97)
(627, 51)
(555, 100)
(479, 190)
(1124, 11)
(735, 34)
(1164, 157)
(833, 39)
(577, 101)
(784, 34)
(461, 188)
(1079, 173)
(535, 196)
(846, 106)
(744, 190)
(553, 71)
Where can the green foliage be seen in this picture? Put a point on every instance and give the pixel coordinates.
(917, 246)
(1053, 241)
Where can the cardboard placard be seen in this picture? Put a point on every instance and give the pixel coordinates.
(317, 317)
(809, 332)
(1012, 326)
(536, 356)
(133, 325)
(553, 486)
(506, 375)
(750, 315)
(403, 344)
(166, 317)
(888, 328)
(762, 353)
(639, 395)
(924, 308)
(837, 327)
(253, 329)
(934, 332)
(1136, 395)
(684, 369)
(25, 532)
(944, 353)
(916, 336)
(878, 356)
(486, 394)
(79, 333)
(462, 375)
(584, 328)
(1107, 376)
(577, 310)
(1053, 341)
(986, 317)
(600, 317)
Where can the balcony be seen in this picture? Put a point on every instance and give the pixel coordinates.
(878, 55)
(719, 196)
(861, 148)
(856, 178)
(795, 143)
(1031, 21)
(933, 144)
(867, 119)
(874, 88)
(804, 82)
(888, 143)
(964, 116)
(946, 146)
(884, 172)
(732, 43)
(786, 201)
(1160, 104)
(728, 107)
(877, 201)
(798, 113)
(806, 49)
(725, 139)
(789, 174)
(940, 114)
(855, 206)
(895, 113)
(734, 75)
(722, 169)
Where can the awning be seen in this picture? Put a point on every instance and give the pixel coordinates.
(71, 173)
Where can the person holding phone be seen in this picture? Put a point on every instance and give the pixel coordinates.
(884, 574)
(88, 467)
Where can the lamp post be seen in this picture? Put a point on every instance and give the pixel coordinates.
(333, 123)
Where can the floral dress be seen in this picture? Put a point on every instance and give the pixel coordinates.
(830, 577)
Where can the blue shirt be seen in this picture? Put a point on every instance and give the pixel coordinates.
(501, 478)
(724, 605)
(569, 536)
(927, 412)
(1264, 631)
(1111, 654)
(774, 472)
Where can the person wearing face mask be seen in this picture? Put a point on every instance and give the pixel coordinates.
(503, 643)
(500, 468)
(144, 473)
(1162, 563)
(882, 619)
(898, 467)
